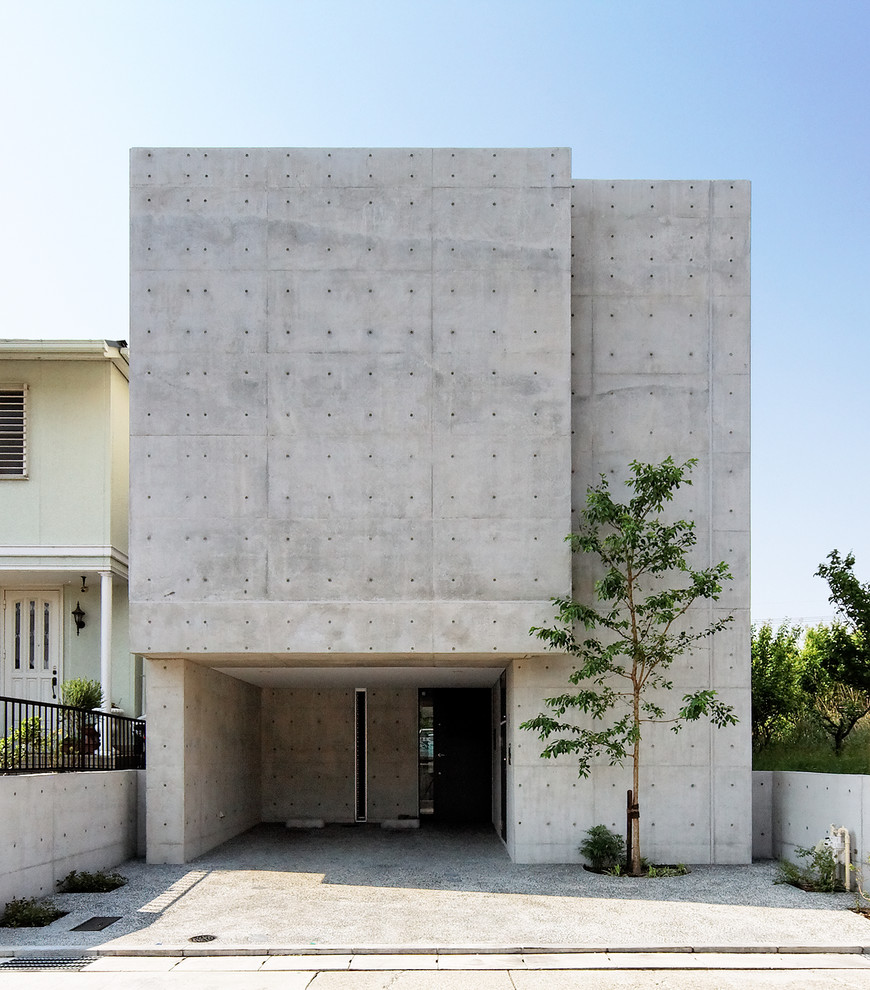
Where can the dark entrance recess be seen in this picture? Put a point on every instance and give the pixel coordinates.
(455, 757)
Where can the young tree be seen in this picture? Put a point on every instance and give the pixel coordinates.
(849, 662)
(777, 696)
(646, 587)
(833, 678)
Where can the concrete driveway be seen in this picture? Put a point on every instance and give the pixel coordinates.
(360, 888)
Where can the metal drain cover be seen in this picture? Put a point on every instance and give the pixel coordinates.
(202, 938)
(32, 965)
(96, 924)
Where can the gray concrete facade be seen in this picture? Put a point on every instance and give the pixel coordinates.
(660, 351)
(369, 388)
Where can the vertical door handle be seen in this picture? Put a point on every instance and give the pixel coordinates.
(54, 683)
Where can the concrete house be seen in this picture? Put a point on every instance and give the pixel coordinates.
(64, 443)
(369, 390)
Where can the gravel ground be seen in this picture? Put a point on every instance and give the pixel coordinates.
(363, 886)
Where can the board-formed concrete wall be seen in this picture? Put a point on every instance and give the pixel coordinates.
(370, 388)
(791, 809)
(204, 782)
(660, 348)
(351, 409)
(308, 754)
(52, 823)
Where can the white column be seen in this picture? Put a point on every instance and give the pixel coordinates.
(106, 637)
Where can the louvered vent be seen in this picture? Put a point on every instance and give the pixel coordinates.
(13, 431)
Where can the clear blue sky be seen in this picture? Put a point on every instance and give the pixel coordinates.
(776, 91)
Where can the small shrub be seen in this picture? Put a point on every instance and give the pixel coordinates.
(81, 692)
(680, 870)
(650, 871)
(22, 742)
(90, 883)
(604, 849)
(29, 912)
(819, 874)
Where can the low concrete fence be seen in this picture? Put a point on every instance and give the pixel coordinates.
(51, 823)
(791, 809)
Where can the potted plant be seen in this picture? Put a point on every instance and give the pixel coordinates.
(84, 737)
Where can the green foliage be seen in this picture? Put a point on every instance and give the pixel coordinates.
(836, 659)
(29, 912)
(82, 693)
(822, 686)
(25, 742)
(654, 872)
(26, 737)
(644, 589)
(778, 699)
(851, 599)
(819, 874)
(806, 747)
(90, 883)
(836, 705)
(604, 849)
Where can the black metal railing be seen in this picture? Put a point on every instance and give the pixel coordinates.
(41, 736)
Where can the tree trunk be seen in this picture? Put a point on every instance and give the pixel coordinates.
(634, 852)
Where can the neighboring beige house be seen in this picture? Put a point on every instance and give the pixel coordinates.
(64, 442)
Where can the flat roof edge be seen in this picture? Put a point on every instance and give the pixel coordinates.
(19, 349)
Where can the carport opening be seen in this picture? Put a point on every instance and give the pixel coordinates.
(303, 746)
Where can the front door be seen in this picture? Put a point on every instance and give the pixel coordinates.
(32, 644)
(461, 791)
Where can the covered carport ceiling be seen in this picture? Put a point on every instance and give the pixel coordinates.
(359, 670)
(367, 677)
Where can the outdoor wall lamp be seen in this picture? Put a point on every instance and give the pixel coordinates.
(78, 618)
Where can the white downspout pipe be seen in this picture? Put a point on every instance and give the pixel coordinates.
(106, 638)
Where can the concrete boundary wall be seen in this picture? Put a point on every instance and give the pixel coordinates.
(56, 822)
(791, 809)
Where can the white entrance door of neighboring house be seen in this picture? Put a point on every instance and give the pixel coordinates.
(32, 644)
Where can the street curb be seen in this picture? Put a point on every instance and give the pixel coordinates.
(186, 951)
